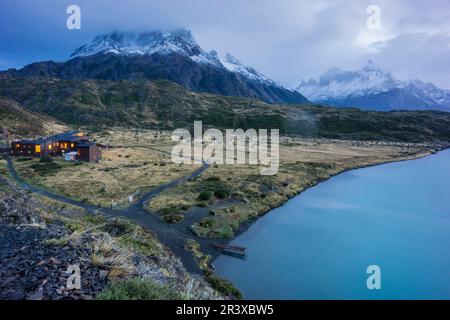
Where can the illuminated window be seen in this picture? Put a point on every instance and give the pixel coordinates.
(72, 145)
(37, 149)
(17, 145)
(50, 147)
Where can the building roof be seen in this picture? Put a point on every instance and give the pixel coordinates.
(70, 136)
(86, 144)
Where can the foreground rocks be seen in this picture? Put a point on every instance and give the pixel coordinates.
(41, 239)
(29, 269)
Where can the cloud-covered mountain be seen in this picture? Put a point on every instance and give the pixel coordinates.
(174, 55)
(371, 88)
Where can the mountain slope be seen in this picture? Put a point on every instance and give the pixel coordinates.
(20, 122)
(371, 88)
(166, 105)
(173, 56)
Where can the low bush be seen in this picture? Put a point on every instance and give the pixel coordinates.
(223, 286)
(185, 207)
(173, 218)
(210, 227)
(205, 195)
(174, 209)
(118, 227)
(138, 289)
(141, 243)
(46, 159)
(167, 210)
(46, 168)
(94, 218)
(202, 205)
(222, 193)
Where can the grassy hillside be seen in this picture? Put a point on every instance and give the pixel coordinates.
(21, 122)
(166, 105)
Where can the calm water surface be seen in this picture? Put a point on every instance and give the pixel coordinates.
(319, 244)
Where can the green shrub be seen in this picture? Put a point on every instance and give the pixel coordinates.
(173, 218)
(144, 244)
(174, 209)
(211, 227)
(223, 286)
(118, 227)
(205, 196)
(222, 193)
(94, 218)
(46, 168)
(167, 210)
(74, 226)
(202, 204)
(185, 207)
(138, 289)
(207, 223)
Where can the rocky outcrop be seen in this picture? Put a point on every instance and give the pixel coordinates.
(29, 267)
(34, 271)
(40, 240)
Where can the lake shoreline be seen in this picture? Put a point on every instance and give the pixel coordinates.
(243, 227)
(339, 218)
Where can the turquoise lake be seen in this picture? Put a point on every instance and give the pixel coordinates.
(320, 243)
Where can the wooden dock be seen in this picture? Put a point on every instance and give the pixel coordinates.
(233, 250)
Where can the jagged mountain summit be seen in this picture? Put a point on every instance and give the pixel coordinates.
(371, 88)
(131, 43)
(157, 42)
(173, 55)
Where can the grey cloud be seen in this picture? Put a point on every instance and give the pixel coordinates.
(286, 40)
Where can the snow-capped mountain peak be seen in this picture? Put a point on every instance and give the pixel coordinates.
(338, 83)
(358, 88)
(232, 64)
(146, 43)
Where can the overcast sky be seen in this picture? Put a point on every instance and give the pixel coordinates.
(288, 40)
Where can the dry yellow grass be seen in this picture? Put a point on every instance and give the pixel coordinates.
(136, 137)
(3, 170)
(121, 172)
(19, 121)
(108, 255)
(51, 127)
(303, 163)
